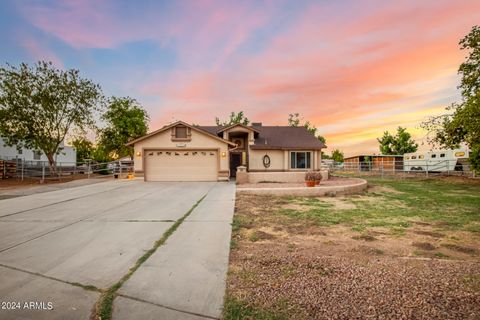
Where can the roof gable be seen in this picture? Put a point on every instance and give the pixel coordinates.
(224, 128)
(176, 124)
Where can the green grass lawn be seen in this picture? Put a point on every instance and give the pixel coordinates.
(396, 204)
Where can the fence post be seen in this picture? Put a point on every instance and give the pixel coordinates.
(88, 168)
(43, 171)
(120, 165)
(426, 168)
(382, 168)
(448, 167)
(22, 168)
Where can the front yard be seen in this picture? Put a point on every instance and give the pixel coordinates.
(405, 248)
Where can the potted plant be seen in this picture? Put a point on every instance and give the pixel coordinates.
(310, 179)
(318, 177)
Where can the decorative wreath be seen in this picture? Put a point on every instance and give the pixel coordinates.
(266, 161)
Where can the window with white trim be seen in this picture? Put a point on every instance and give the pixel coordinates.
(300, 159)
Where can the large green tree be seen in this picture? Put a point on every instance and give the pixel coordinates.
(234, 118)
(337, 155)
(125, 120)
(400, 143)
(40, 105)
(84, 148)
(461, 124)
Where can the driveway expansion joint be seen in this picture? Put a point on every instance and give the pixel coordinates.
(167, 307)
(75, 284)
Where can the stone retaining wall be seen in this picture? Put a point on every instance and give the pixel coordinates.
(350, 187)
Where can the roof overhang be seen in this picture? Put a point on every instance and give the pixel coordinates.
(238, 125)
(176, 124)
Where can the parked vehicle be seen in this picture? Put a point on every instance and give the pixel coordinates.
(436, 160)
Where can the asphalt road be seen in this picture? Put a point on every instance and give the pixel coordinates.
(54, 245)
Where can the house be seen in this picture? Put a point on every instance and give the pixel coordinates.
(374, 162)
(183, 152)
(66, 157)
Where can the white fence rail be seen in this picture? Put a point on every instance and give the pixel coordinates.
(22, 169)
(413, 168)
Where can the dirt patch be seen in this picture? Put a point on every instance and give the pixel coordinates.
(462, 249)
(14, 183)
(424, 246)
(429, 233)
(259, 235)
(365, 237)
(382, 189)
(339, 203)
(296, 207)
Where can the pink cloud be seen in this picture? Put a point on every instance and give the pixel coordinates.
(40, 51)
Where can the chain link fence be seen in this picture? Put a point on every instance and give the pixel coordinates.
(17, 168)
(419, 168)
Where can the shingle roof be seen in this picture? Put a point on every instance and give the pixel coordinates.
(279, 137)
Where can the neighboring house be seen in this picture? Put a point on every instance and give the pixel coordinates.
(66, 157)
(182, 152)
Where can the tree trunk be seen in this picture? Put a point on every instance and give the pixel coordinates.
(52, 165)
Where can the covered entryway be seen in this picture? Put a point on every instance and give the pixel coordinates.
(181, 165)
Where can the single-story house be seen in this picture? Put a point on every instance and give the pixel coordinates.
(184, 152)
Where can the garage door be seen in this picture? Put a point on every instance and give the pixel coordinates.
(175, 165)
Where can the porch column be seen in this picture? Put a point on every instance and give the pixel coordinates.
(285, 160)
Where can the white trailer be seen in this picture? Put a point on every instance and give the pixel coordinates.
(437, 160)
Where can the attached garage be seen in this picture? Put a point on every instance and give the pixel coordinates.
(181, 152)
(181, 165)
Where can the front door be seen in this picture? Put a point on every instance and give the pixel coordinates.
(235, 161)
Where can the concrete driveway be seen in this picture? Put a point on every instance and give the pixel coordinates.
(60, 249)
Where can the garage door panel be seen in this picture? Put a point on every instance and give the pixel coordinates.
(171, 165)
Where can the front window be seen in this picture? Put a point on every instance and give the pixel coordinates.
(300, 160)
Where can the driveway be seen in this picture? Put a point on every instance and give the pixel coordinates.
(60, 249)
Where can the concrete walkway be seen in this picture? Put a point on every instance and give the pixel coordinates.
(54, 245)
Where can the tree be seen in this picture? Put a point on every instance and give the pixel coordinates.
(126, 120)
(322, 139)
(84, 148)
(401, 143)
(337, 155)
(40, 105)
(462, 122)
(295, 121)
(235, 118)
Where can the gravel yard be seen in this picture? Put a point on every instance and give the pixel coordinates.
(399, 251)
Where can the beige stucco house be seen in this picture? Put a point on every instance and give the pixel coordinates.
(183, 152)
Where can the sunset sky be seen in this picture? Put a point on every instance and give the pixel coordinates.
(352, 68)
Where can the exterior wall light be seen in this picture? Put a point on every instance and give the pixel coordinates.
(139, 153)
(224, 154)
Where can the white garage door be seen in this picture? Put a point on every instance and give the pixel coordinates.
(181, 165)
